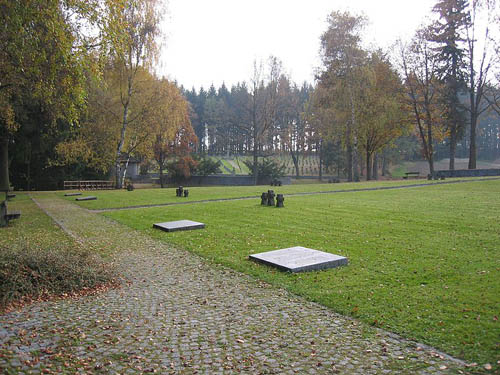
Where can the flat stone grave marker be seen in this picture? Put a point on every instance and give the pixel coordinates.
(72, 194)
(172, 226)
(89, 198)
(300, 259)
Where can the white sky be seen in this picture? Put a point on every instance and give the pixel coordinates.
(215, 41)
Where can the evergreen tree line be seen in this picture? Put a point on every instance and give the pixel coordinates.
(436, 96)
(79, 99)
(224, 119)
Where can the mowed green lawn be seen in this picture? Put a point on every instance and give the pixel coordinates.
(139, 197)
(423, 262)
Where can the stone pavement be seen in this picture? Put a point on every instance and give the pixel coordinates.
(178, 314)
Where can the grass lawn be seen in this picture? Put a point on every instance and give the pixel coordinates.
(39, 260)
(138, 197)
(424, 262)
(32, 226)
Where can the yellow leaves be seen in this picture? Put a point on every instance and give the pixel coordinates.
(7, 115)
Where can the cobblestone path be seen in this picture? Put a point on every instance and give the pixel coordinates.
(179, 314)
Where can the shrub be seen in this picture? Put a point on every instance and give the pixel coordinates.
(33, 272)
(206, 166)
(267, 168)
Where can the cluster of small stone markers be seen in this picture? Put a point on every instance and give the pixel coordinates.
(267, 199)
(180, 191)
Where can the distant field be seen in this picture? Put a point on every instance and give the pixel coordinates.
(308, 165)
(138, 197)
(423, 262)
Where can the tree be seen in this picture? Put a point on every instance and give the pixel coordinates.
(479, 69)
(93, 142)
(40, 57)
(180, 162)
(343, 59)
(173, 134)
(381, 115)
(290, 127)
(263, 107)
(134, 26)
(422, 85)
(448, 33)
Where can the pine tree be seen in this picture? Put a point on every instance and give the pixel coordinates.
(448, 34)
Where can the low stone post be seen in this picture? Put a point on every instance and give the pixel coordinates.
(270, 197)
(263, 198)
(280, 199)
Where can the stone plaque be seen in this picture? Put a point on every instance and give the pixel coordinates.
(72, 194)
(300, 259)
(172, 226)
(89, 198)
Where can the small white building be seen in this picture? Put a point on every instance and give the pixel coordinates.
(132, 167)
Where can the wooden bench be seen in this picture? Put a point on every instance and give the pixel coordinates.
(411, 174)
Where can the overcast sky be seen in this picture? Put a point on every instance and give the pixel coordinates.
(215, 41)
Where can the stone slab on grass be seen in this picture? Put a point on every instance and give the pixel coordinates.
(89, 198)
(72, 194)
(172, 226)
(300, 259)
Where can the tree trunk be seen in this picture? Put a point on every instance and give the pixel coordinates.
(125, 171)
(161, 165)
(355, 160)
(4, 163)
(255, 165)
(355, 156)
(320, 160)
(349, 161)
(368, 166)
(375, 167)
(472, 146)
(28, 174)
(430, 145)
(453, 147)
(295, 160)
(122, 138)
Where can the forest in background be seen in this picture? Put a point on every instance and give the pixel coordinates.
(80, 104)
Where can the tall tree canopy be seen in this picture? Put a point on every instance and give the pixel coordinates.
(449, 33)
(41, 61)
(133, 46)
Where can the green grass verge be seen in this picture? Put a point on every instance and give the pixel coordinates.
(38, 260)
(424, 262)
(123, 198)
